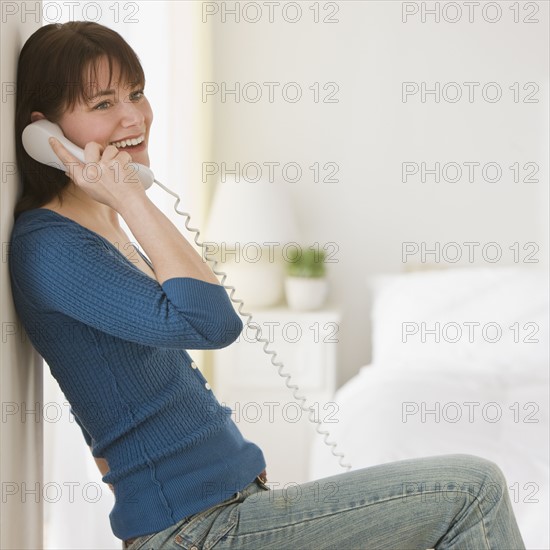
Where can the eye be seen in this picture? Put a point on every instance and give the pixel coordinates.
(137, 95)
(99, 106)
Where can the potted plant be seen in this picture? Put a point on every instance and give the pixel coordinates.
(306, 285)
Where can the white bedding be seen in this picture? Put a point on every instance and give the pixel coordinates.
(380, 416)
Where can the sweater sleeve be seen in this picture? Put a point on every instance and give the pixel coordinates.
(63, 267)
(85, 433)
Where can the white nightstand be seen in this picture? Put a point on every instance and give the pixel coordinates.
(263, 407)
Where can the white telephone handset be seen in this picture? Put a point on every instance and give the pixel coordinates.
(35, 141)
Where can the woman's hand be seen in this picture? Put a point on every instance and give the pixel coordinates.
(105, 177)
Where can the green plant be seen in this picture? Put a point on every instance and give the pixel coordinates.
(306, 263)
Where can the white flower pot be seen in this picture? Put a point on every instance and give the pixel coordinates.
(306, 293)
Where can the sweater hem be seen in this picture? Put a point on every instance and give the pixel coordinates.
(184, 483)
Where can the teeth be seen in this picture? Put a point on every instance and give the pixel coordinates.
(128, 142)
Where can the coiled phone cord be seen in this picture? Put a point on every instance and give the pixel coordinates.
(280, 366)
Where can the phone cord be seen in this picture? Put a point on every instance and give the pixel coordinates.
(280, 366)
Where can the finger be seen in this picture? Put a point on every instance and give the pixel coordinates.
(120, 158)
(92, 152)
(110, 152)
(123, 157)
(67, 158)
(69, 161)
(97, 153)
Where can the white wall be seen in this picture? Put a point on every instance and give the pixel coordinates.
(20, 368)
(370, 132)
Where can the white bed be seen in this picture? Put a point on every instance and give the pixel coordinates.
(506, 383)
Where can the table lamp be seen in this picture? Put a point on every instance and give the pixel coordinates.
(249, 230)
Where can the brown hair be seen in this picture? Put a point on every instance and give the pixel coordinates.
(52, 77)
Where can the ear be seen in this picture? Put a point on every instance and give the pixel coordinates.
(36, 115)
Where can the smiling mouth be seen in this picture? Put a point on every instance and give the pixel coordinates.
(128, 143)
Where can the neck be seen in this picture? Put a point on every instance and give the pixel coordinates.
(81, 205)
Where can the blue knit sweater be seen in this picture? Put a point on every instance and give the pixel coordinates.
(115, 340)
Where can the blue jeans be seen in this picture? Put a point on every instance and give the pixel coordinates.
(457, 501)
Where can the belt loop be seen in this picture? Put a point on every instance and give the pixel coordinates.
(261, 481)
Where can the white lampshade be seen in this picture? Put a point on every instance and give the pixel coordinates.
(260, 214)
(244, 211)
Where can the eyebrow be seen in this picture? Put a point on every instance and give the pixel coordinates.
(101, 94)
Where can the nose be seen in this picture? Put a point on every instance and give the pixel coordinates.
(132, 115)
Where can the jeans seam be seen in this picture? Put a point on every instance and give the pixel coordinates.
(328, 514)
(485, 535)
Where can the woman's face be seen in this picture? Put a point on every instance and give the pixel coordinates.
(119, 112)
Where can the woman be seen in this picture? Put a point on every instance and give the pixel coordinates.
(114, 325)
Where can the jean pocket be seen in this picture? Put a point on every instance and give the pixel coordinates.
(203, 530)
(139, 543)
